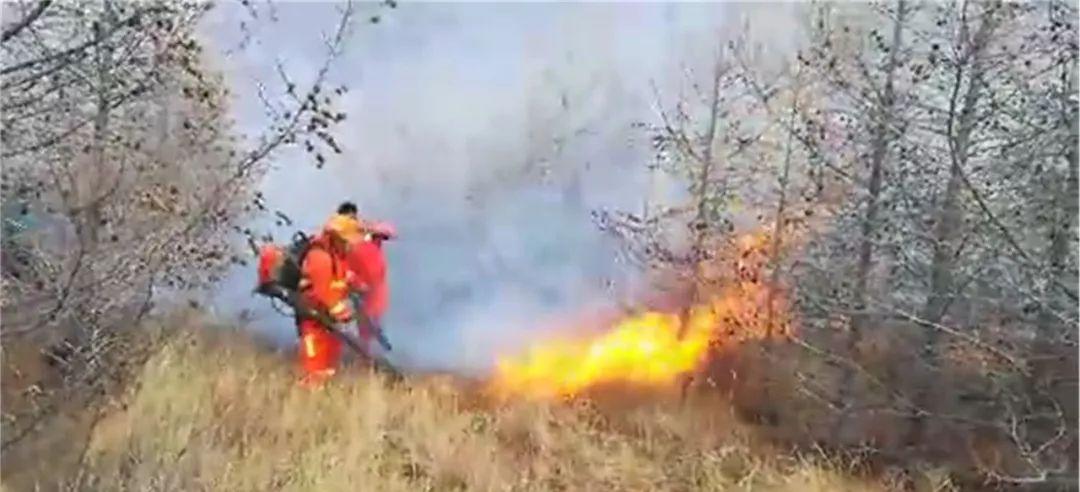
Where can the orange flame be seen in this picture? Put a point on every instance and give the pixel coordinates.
(654, 348)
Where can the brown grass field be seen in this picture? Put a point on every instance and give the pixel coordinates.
(212, 411)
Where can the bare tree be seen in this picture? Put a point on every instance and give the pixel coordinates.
(935, 147)
(117, 138)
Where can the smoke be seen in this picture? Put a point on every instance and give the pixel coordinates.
(486, 133)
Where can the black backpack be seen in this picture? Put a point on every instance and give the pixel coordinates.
(290, 273)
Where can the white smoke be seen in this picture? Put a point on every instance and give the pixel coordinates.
(486, 133)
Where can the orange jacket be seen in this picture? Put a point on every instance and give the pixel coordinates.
(366, 260)
(326, 280)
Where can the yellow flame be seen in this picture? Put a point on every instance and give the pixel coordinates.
(653, 348)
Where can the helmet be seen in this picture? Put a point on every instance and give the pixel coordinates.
(382, 230)
(342, 226)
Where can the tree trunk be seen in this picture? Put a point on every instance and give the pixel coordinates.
(947, 229)
(950, 215)
(879, 153)
(781, 209)
(701, 191)
(698, 229)
(766, 411)
(104, 60)
(1064, 225)
(877, 168)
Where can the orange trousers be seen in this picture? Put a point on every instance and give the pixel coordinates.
(319, 350)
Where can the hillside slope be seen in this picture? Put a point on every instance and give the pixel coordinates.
(217, 413)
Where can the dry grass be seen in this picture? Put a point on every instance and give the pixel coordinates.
(216, 413)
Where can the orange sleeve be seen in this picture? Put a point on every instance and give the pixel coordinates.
(357, 282)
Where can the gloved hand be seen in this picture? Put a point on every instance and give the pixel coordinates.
(341, 312)
(356, 284)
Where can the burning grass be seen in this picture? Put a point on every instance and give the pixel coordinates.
(214, 413)
(654, 349)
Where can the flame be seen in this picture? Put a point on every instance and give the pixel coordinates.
(654, 348)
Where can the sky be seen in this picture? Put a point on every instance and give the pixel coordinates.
(486, 133)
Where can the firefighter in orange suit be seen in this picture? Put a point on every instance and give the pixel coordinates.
(325, 285)
(367, 262)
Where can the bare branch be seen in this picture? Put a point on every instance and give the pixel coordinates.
(32, 16)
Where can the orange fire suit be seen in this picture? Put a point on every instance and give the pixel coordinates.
(325, 285)
(366, 261)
